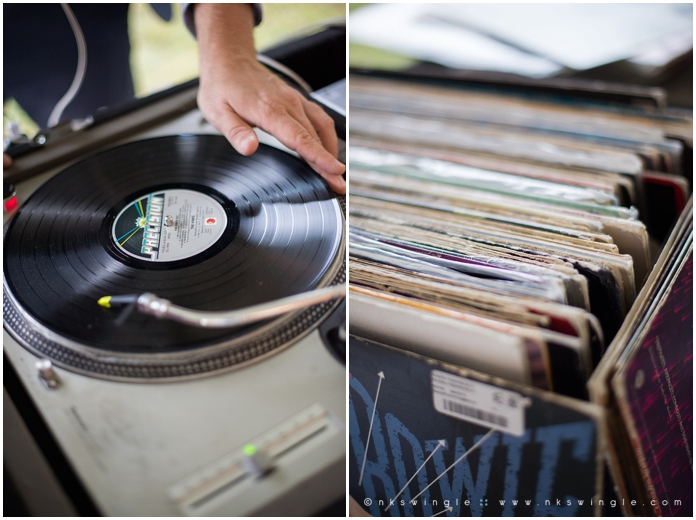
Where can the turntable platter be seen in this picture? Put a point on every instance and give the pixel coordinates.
(186, 218)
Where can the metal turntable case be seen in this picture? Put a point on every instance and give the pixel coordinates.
(190, 446)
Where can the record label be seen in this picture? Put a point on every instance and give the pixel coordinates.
(169, 225)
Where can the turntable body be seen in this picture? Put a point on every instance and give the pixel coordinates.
(176, 448)
(131, 443)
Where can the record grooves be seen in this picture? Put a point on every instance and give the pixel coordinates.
(186, 218)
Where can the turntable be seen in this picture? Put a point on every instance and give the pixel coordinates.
(157, 417)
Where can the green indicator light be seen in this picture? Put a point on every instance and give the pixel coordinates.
(249, 449)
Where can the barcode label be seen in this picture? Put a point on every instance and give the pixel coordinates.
(479, 414)
(478, 403)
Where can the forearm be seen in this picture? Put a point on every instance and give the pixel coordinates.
(225, 33)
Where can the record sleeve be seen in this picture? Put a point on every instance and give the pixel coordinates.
(654, 389)
(413, 419)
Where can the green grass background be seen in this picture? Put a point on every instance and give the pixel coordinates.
(164, 54)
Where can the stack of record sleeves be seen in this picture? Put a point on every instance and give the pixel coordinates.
(508, 236)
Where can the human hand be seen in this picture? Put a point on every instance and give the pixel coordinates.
(6, 160)
(236, 92)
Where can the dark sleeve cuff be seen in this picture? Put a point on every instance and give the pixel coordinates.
(187, 15)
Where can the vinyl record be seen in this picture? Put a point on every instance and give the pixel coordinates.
(184, 217)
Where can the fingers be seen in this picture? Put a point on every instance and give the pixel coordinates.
(294, 104)
(297, 137)
(312, 118)
(6, 161)
(336, 182)
(314, 144)
(324, 126)
(281, 111)
(307, 133)
(235, 129)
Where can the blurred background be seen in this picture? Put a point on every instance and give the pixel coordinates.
(163, 52)
(638, 44)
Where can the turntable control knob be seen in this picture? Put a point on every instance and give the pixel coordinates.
(257, 462)
(47, 375)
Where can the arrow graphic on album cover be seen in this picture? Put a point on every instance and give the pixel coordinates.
(369, 432)
(481, 441)
(450, 508)
(439, 445)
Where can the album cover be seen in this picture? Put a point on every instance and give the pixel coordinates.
(427, 436)
(621, 458)
(654, 389)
